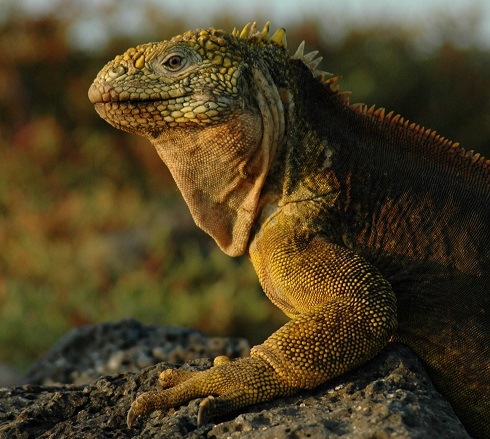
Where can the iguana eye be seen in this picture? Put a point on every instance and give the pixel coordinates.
(174, 62)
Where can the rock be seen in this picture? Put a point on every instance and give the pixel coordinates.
(90, 352)
(388, 397)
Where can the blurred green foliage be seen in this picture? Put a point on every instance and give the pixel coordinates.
(92, 227)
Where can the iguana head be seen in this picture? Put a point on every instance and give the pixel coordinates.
(215, 106)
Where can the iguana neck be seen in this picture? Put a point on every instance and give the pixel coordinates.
(303, 169)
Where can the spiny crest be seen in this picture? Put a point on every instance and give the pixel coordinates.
(397, 120)
(249, 32)
(312, 61)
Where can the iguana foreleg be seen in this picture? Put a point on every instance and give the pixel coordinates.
(353, 320)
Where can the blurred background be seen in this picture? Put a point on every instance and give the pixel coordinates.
(92, 227)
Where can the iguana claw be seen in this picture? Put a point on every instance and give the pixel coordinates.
(206, 408)
(145, 403)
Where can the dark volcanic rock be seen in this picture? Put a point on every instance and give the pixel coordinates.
(389, 397)
(90, 352)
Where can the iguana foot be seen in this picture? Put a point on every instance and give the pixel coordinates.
(227, 386)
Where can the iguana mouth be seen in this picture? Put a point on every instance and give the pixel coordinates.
(111, 95)
(152, 115)
(129, 114)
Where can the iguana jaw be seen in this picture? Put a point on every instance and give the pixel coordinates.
(146, 115)
(149, 118)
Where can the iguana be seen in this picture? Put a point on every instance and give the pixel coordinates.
(362, 227)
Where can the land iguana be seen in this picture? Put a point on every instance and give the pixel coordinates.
(362, 227)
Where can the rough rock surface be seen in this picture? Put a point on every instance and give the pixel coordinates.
(90, 352)
(389, 397)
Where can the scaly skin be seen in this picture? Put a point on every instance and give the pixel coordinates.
(360, 226)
